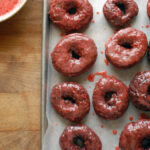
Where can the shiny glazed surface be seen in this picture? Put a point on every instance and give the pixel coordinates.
(120, 55)
(133, 134)
(79, 18)
(116, 16)
(139, 90)
(91, 140)
(81, 45)
(115, 105)
(70, 100)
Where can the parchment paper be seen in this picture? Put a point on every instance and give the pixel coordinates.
(100, 31)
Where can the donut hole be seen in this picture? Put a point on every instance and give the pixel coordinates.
(126, 44)
(122, 7)
(72, 11)
(109, 95)
(79, 141)
(148, 90)
(146, 143)
(68, 98)
(74, 54)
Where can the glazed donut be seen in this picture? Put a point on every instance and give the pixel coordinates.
(139, 90)
(79, 137)
(70, 100)
(136, 136)
(71, 15)
(148, 8)
(120, 12)
(74, 54)
(126, 48)
(110, 98)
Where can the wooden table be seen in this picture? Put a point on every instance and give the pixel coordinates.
(20, 79)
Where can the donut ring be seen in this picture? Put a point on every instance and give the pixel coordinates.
(139, 90)
(120, 12)
(110, 98)
(71, 15)
(74, 54)
(148, 8)
(70, 100)
(136, 136)
(126, 48)
(79, 137)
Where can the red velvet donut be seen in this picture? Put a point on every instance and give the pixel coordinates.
(79, 137)
(110, 98)
(71, 15)
(136, 136)
(70, 100)
(120, 12)
(139, 90)
(74, 54)
(126, 48)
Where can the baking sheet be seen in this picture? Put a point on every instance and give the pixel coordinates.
(100, 31)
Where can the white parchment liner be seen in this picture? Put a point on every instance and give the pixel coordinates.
(100, 31)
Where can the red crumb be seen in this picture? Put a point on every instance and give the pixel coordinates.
(93, 113)
(92, 76)
(7, 5)
(102, 126)
(114, 132)
(146, 26)
(143, 116)
(106, 62)
(142, 26)
(117, 147)
(56, 124)
(102, 52)
(89, 86)
(93, 21)
(130, 118)
(62, 34)
(97, 12)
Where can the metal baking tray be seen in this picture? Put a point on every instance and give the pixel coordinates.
(45, 39)
(99, 30)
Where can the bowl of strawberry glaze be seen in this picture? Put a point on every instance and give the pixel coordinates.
(8, 8)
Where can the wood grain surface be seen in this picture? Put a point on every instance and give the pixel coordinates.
(20, 79)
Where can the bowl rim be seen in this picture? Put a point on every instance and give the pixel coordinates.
(13, 12)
